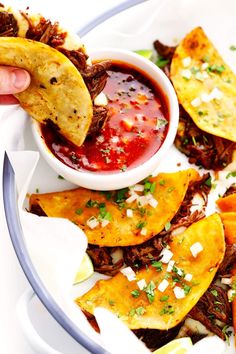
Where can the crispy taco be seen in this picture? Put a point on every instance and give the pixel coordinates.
(161, 295)
(205, 85)
(64, 82)
(126, 217)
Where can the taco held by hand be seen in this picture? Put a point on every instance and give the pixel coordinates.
(63, 81)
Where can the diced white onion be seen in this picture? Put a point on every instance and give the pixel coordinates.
(143, 231)
(100, 139)
(205, 97)
(132, 198)
(105, 223)
(204, 66)
(100, 100)
(216, 94)
(92, 222)
(188, 277)
(129, 273)
(186, 62)
(196, 102)
(226, 281)
(163, 285)
(153, 202)
(142, 284)
(196, 248)
(138, 188)
(129, 213)
(186, 74)
(143, 200)
(178, 231)
(231, 294)
(205, 75)
(179, 292)
(170, 266)
(197, 203)
(115, 139)
(166, 256)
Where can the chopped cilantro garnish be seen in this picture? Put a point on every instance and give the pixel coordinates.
(231, 174)
(135, 293)
(111, 302)
(60, 177)
(91, 203)
(107, 194)
(132, 312)
(167, 226)
(218, 69)
(187, 289)
(157, 265)
(194, 140)
(214, 292)
(161, 62)
(170, 189)
(226, 333)
(140, 310)
(162, 182)
(164, 298)
(141, 224)
(79, 211)
(120, 195)
(167, 309)
(208, 182)
(161, 122)
(202, 113)
(149, 187)
(206, 58)
(149, 290)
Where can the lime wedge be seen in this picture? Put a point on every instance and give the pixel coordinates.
(85, 271)
(146, 53)
(176, 346)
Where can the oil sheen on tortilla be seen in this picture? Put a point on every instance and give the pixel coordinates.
(205, 85)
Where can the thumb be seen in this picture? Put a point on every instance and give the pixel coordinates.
(13, 80)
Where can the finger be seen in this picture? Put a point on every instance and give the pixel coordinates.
(13, 80)
(8, 99)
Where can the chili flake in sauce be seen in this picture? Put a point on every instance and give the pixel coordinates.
(136, 127)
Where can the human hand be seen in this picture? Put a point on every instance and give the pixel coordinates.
(12, 80)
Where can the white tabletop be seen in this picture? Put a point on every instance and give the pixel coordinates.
(13, 281)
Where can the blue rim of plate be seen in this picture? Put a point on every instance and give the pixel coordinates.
(16, 232)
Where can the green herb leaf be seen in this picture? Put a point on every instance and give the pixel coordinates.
(157, 265)
(146, 53)
(162, 182)
(167, 309)
(232, 47)
(141, 224)
(218, 69)
(231, 174)
(161, 122)
(149, 290)
(140, 310)
(208, 182)
(167, 226)
(60, 177)
(214, 292)
(135, 293)
(164, 298)
(161, 62)
(91, 203)
(79, 211)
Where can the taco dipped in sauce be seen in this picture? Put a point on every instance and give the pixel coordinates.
(64, 83)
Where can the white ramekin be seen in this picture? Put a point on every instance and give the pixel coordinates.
(112, 181)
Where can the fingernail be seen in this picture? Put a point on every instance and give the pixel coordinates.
(19, 78)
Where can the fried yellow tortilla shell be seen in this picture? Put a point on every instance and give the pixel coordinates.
(205, 85)
(228, 203)
(151, 308)
(81, 205)
(229, 222)
(57, 90)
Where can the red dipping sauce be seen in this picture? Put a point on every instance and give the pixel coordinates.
(136, 127)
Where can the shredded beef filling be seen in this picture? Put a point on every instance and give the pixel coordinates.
(228, 261)
(154, 338)
(8, 25)
(202, 149)
(230, 190)
(213, 310)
